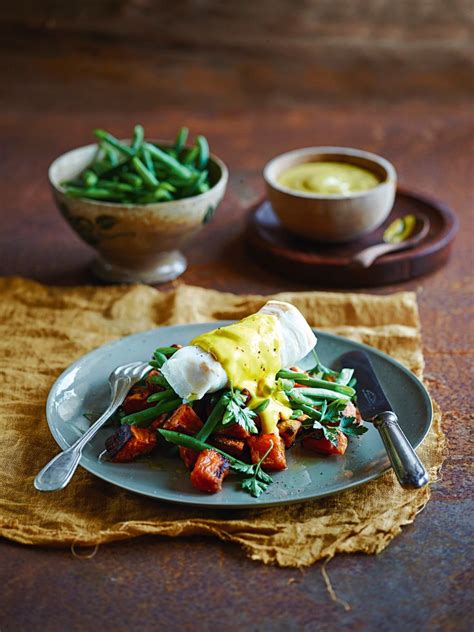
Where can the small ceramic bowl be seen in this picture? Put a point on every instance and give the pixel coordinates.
(135, 243)
(335, 218)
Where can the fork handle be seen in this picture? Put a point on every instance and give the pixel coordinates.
(58, 472)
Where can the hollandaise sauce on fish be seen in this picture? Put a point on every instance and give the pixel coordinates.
(244, 355)
(249, 352)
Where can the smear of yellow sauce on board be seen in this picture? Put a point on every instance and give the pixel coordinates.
(328, 178)
(249, 352)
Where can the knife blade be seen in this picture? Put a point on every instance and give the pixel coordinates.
(371, 398)
(375, 407)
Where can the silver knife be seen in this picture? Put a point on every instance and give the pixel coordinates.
(375, 407)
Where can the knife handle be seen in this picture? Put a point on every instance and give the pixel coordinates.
(410, 471)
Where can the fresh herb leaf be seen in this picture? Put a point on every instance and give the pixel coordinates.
(351, 428)
(237, 412)
(254, 487)
(330, 432)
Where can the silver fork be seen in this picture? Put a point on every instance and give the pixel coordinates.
(59, 471)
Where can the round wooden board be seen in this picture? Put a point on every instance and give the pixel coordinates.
(330, 265)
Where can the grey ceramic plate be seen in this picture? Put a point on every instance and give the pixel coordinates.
(83, 388)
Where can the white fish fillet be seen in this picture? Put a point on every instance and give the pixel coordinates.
(296, 336)
(193, 372)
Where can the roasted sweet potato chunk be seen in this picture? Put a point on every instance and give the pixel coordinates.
(209, 472)
(159, 421)
(184, 419)
(317, 443)
(234, 447)
(288, 429)
(259, 444)
(351, 411)
(128, 442)
(188, 456)
(136, 400)
(233, 430)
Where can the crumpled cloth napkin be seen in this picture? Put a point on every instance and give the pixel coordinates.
(43, 329)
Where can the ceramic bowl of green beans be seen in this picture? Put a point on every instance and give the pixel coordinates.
(138, 202)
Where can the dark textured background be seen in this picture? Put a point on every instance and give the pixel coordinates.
(257, 78)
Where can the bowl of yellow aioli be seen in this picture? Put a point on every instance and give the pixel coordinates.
(330, 194)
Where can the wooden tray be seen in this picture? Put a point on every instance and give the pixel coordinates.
(330, 265)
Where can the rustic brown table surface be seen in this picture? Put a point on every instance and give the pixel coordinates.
(256, 84)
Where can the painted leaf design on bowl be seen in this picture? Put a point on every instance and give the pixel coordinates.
(209, 214)
(106, 222)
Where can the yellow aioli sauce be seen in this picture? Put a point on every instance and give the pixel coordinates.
(328, 178)
(249, 352)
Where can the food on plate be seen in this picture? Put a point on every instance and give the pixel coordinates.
(328, 178)
(234, 400)
(141, 172)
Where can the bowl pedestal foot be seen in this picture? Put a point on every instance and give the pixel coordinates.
(170, 266)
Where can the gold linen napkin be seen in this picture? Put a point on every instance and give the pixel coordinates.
(44, 329)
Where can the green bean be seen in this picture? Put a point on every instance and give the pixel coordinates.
(302, 378)
(114, 142)
(111, 157)
(162, 195)
(155, 196)
(143, 173)
(142, 417)
(138, 136)
(181, 139)
(104, 169)
(173, 165)
(324, 393)
(148, 178)
(160, 358)
(159, 380)
(203, 187)
(214, 418)
(198, 180)
(148, 160)
(89, 178)
(167, 351)
(167, 186)
(203, 147)
(191, 156)
(309, 410)
(345, 376)
(115, 186)
(94, 193)
(132, 179)
(162, 395)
